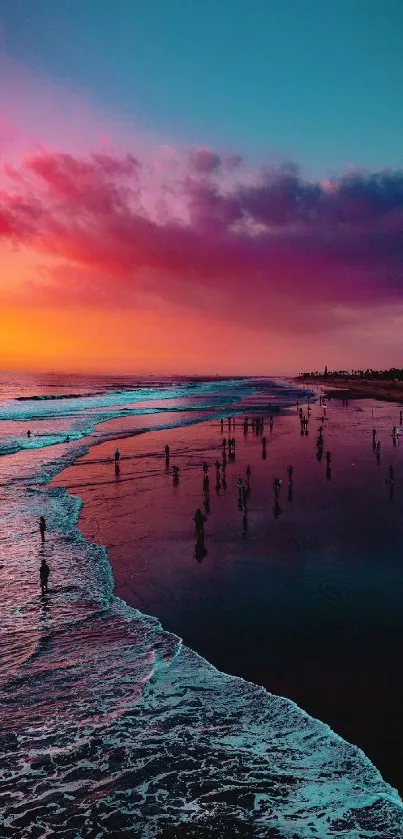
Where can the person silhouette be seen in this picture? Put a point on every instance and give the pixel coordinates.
(117, 456)
(42, 527)
(44, 572)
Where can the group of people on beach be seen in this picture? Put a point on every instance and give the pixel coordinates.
(257, 425)
(230, 423)
(243, 484)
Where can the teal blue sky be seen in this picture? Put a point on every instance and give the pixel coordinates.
(316, 82)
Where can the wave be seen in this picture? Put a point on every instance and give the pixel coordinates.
(47, 396)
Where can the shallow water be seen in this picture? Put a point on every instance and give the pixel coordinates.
(109, 724)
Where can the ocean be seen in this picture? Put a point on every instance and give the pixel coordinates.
(110, 725)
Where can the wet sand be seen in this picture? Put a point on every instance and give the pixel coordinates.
(308, 604)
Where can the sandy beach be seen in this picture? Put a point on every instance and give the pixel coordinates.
(307, 604)
(354, 388)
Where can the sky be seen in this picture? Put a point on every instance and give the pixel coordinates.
(196, 187)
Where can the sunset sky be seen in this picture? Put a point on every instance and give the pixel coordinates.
(209, 187)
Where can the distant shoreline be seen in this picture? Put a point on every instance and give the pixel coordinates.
(351, 388)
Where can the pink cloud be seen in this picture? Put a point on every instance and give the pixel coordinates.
(281, 251)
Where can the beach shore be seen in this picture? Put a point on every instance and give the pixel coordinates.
(307, 603)
(353, 388)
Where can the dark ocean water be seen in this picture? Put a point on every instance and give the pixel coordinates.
(111, 726)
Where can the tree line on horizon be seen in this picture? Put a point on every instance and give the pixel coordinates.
(393, 373)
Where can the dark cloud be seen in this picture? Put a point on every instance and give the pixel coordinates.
(204, 161)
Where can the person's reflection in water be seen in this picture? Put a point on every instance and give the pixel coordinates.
(290, 491)
(245, 525)
(200, 549)
(117, 469)
(391, 482)
(207, 502)
(329, 472)
(277, 511)
(45, 614)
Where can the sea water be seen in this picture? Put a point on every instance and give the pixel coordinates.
(110, 726)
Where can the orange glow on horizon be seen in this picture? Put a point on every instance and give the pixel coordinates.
(99, 341)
